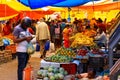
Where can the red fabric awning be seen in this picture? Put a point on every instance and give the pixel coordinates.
(6, 11)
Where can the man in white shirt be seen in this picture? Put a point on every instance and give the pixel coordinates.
(22, 37)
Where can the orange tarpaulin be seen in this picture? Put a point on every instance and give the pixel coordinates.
(32, 15)
(6, 11)
(35, 14)
(103, 7)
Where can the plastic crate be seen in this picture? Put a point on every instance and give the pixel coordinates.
(116, 55)
(96, 62)
(71, 68)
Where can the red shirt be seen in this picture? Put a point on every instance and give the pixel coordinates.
(102, 26)
(30, 30)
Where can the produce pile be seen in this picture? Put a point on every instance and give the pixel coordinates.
(89, 33)
(82, 52)
(59, 58)
(66, 52)
(62, 55)
(51, 73)
(80, 39)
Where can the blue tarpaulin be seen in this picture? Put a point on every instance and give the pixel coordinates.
(33, 4)
(25, 2)
(72, 3)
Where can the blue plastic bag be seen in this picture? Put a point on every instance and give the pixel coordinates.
(47, 45)
(37, 47)
(6, 42)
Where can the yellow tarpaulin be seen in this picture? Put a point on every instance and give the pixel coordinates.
(15, 5)
(7, 17)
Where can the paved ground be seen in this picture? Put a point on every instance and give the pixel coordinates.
(8, 71)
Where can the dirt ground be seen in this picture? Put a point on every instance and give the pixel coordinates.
(8, 71)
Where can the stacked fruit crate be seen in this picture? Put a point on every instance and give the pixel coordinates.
(5, 56)
(1, 57)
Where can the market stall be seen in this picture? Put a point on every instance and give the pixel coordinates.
(82, 55)
(7, 48)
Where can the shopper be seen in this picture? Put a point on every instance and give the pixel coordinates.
(22, 37)
(62, 26)
(52, 30)
(33, 26)
(42, 35)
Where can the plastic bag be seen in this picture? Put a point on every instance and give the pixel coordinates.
(52, 47)
(33, 41)
(30, 49)
(6, 42)
(47, 45)
(37, 47)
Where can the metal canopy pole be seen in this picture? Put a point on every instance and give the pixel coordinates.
(110, 53)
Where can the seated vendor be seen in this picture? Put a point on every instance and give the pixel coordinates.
(101, 38)
(90, 75)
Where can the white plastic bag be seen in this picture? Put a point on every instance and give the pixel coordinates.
(52, 47)
(33, 41)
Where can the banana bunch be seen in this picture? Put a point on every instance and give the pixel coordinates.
(80, 39)
(90, 33)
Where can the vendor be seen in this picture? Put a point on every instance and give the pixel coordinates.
(89, 75)
(66, 34)
(101, 38)
(7, 28)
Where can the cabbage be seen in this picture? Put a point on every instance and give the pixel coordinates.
(44, 74)
(55, 70)
(52, 78)
(56, 76)
(61, 69)
(39, 72)
(46, 68)
(45, 78)
(50, 69)
(61, 76)
(65, 72)
(50, 74)
(45, 71)
(62, 72)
